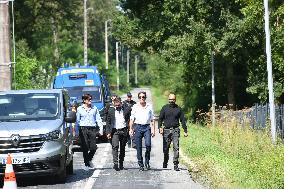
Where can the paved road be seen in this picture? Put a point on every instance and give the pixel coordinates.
(103, 176)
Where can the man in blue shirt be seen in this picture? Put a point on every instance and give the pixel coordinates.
(88, 121)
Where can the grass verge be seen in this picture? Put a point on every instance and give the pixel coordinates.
(235, 157)
(159, 99)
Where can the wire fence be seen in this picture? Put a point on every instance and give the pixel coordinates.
(257, 116)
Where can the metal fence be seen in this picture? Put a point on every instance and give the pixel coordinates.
(257, 116)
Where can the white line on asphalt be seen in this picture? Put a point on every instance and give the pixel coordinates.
(91, 181)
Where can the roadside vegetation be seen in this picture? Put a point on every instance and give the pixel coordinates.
(230, 156)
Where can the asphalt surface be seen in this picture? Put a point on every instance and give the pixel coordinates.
(103, 176)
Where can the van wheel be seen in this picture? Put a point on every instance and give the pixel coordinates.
(61, 177)
(70, 169)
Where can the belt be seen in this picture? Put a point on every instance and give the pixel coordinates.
(142, 124)
(170, 128)
(120, 129)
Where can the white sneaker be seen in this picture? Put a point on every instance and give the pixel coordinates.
(86, 168)
(91, 164)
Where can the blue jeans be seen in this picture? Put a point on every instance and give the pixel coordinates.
(140, 132)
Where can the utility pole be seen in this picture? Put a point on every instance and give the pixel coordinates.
(136, 67)
(5, 58)
(117, 66)
(269, 71)
(127, 67)
(85, 34)
(213, 89)
(106, 42)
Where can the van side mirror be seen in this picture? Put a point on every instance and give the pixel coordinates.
(70, 117)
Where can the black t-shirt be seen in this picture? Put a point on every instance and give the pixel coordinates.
(170, 116)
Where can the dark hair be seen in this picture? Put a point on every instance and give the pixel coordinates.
(118, 99)
(86, 97)
(129, 94)
(142, 92)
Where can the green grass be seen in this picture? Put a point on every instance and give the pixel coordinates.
(159, 99)
(234, 157)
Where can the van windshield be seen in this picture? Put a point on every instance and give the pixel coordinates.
(29, 106)
(77, 92)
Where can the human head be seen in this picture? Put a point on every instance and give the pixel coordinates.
(142, 96)
(117, 102)
(172, 98)
(129, 96)
(87, 99)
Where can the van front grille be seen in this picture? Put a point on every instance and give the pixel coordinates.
(21, 145)
(26, 167)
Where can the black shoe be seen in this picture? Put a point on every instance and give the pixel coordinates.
(165, 165)
(176, 168)
(147, 166)
(141, 168)
(121, 166)
(115, 167)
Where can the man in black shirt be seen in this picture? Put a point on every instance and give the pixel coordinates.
(127, 104)
(170, 116)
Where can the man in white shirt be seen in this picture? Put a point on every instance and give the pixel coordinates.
(142, 116)
(116, 129)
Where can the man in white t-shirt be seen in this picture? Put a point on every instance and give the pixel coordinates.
(142, 116)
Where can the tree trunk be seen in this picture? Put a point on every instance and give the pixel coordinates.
(230, 84)
(5, 58)
(55, 52)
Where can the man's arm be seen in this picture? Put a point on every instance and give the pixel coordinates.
(183, 122)
(131, 122)
(99, 122)
(108, 126)
(161, 119)
(152, 122)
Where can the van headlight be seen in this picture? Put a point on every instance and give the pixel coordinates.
(54, 135)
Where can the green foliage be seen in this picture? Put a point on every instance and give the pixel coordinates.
(235, 157)
(183, 33)
(29, 74)
(53, 31)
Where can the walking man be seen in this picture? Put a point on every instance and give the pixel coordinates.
(170, 116)
(128, 103)
(89, 122)
(116, 129)
(142, 116)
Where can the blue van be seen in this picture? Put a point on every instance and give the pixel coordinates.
(79, 80)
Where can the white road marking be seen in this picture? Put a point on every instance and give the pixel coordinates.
(91, 181)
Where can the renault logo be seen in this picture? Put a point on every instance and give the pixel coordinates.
(15, 139)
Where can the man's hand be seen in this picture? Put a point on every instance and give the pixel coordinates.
(131, 132)
(185, 134)
(109, 136)
(161, 131)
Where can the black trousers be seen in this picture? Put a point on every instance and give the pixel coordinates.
(118, 141)
(171, 135)
(88, 143)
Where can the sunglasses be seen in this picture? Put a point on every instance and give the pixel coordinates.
(140, 97)
(172, 99)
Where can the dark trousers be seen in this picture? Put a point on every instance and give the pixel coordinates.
(118, 141)
(88, 143)
(140, 132)
(171, 135)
